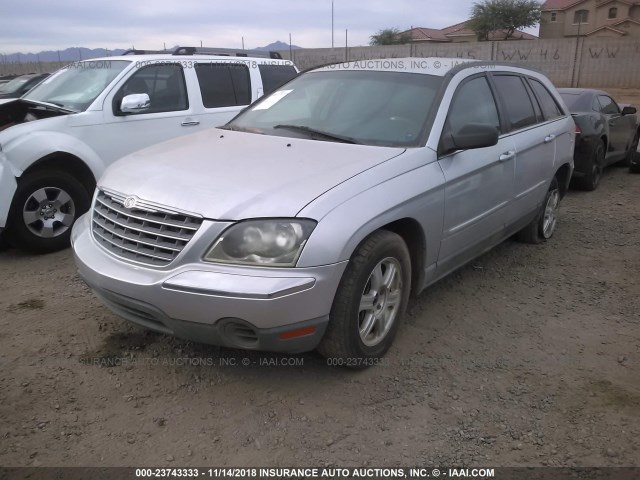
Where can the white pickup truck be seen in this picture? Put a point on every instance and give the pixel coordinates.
(56, 141)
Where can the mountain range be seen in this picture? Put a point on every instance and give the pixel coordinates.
(80, 53)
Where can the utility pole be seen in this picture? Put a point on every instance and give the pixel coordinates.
(243, 43)
(346, 45)
(290, 49)
(331, 23)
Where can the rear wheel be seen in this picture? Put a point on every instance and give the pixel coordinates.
(370, 301)
(595, 167)
(544, 224)
(43, 210)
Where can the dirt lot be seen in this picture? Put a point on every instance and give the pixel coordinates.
(528, 356)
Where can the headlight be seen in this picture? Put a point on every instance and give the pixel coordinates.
(272, 243)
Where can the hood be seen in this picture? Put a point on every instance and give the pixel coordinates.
(227, 175)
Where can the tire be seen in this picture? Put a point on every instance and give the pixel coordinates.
(627, 162)
(595, 167)
(544, 224)
(356, 334)
(44, 207)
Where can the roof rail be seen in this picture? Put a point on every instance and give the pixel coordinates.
(133, 51)
(226, 52)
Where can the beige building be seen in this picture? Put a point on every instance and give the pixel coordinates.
(590, 18)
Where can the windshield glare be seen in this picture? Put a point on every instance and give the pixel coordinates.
(368, 107)
(76, 86)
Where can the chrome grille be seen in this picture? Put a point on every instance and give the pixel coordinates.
(144, 233)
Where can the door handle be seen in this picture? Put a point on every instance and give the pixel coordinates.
(507, 156)
(190, 123)
(549, 138)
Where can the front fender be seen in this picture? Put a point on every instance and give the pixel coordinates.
(8, 186)
(416, 194)
(25, 150)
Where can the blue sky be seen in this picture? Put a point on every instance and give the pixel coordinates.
(32, 26)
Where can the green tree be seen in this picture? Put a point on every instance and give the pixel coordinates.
(390, 36)
(506, 15)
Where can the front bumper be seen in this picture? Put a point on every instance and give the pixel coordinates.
(8, 186)
(274, 309)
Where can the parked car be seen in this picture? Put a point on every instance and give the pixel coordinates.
(20, 85)
(57, 139)
(306, 221)
(605, 133)
(4, 79)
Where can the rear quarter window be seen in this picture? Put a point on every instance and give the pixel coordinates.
(549, 106)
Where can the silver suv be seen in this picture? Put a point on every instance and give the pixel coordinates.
(307, 220)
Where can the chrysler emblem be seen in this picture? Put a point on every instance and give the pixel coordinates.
(130, 202)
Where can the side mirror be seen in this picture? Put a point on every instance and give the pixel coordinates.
(628, 110)
(135, 103)
(470, 136)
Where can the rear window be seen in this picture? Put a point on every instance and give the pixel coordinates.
(274, 76)
(224, 84)
(571, 99)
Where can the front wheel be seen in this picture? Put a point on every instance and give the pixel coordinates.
(544, 224)
(43, 210)
(370, 301)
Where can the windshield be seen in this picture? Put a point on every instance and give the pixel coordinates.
(76, 86)
(366, 107)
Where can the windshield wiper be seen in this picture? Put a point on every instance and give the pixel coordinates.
(56, 106)
(313, 131)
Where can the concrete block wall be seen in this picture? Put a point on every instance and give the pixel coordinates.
(584, 62)
(611, 63)
(555, 57)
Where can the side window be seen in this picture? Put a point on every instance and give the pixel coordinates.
(549, 106)
(164, 84)
(516, 101)
(609, 107)
(224, 84)
(472, 103)
(274, 76)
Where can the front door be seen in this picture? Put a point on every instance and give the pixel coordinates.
(478, 183)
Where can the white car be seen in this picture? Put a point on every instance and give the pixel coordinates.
(56, 141)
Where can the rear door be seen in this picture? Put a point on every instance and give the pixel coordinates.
(534, 141)
(479, 182)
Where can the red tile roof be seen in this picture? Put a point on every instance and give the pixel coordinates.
(560, 4)
(420, 34)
